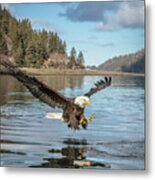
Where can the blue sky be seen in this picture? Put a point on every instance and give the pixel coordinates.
(101, 30)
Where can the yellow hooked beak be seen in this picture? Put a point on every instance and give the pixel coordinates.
(87, 103)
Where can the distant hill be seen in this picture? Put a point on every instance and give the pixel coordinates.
(134, 62)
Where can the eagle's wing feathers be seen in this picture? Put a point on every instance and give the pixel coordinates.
(37, 88)
(99, 85)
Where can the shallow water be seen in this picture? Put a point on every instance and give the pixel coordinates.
(113, 140)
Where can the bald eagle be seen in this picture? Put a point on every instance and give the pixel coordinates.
(73, 108)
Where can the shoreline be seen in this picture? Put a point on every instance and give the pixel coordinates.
(51, 71)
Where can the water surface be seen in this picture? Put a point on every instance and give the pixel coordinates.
(114, 140)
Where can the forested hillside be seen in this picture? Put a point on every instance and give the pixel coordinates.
(31, 48)
(134, 62)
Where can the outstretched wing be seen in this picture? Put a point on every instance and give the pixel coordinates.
(99, 85)
(41, 91)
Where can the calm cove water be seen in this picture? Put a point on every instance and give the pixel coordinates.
(113, 140)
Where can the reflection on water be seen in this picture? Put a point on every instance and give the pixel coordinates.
(68, 154)
(11, 85)
(114, 140)
(72, 156)
(129, 81)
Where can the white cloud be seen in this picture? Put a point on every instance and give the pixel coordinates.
(129, 15)
(109, 26)
(42, 23)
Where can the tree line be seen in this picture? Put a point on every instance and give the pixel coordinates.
(30, 48)
(134, 62)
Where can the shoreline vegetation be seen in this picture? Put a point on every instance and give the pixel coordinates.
(78, 72)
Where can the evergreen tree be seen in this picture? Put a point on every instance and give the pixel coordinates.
(25, 32)
(40, 54)
(3, 44)
(35, 52)
(72, 59)
(62, 47)
(53, 42)
(65, 47)
(30, 56)
(19, 55)
(4, 21)
(44, 39)
(80, 60)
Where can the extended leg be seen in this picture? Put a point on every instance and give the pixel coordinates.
(84, 121)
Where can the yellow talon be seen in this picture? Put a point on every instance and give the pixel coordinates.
(90, 118)
(87, 163)
(81, 120)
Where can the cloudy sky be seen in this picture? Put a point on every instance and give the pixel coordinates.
(100, 29)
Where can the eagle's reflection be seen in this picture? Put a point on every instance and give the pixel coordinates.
(75, 150)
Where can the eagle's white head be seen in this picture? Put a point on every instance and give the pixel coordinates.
(82, 101)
